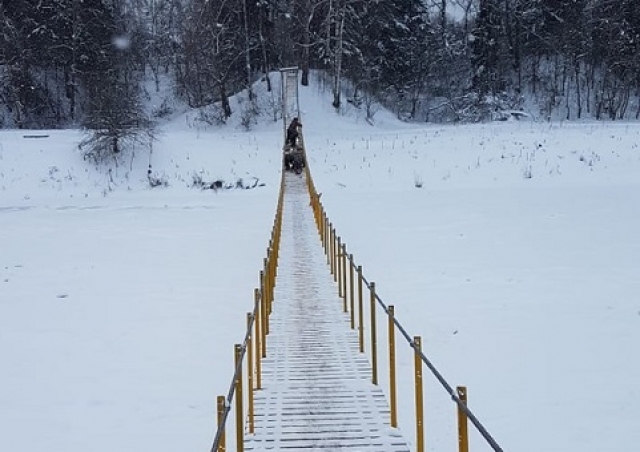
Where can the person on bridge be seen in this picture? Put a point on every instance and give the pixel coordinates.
(292, 132)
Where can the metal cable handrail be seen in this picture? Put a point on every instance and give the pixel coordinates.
(232, 386)
(448, 388)
(454, 396)
(339, 251)
(261, 299)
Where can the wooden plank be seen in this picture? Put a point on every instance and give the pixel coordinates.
(316, 392)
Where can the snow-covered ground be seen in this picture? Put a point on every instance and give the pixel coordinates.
(511, 248)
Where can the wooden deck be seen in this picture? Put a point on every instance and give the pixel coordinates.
(317, 392)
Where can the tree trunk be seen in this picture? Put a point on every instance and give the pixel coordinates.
(224, 99)
(578, 94)
(306, 42)
(624, 102)
(263, 47)
(337, 82)
(247, 54)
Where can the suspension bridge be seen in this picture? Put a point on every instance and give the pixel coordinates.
(301, 380)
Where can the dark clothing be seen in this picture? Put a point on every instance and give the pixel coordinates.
(294, 161)
(292, 132)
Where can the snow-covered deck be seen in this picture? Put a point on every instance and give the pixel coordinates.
(317, 392)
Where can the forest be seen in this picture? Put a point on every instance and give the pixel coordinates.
(82, 63)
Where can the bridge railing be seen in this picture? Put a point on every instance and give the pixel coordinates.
(356, 292)
(359, 296)
(248, 355)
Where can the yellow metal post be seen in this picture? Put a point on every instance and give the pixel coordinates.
(271, 255)
(273, 261)
(336, 252)
(265, 289)
(321, 223)
(323, 231)
(323, 215)
(221, 409)
(351, 293)
(463, 435)
(316, 210)
(417, 343)
(274, 246)
(392, 368)
(265, 314)
(332, 248)
(250, 372)
(339, 254)
(344, 275)
(327, 239)
(360, 310)
(258, 338)
(269, 279)
(239, 404)
(374, 336)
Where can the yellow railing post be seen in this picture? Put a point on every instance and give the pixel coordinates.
(239, 413)
(221, 409)
(323, 234)
(258, 340)
(250, 373)
(316, 211)
(360, 311)
(463, 436)
(265, 287)
(269, 280)
(332, 248)
(344, 275)
(336, 254)
(374, 336)
(392, 368)
(265, 314)
(327, 239)
(323, 229)
(273, 260)
(339, 256)
(274, 244)
(351, 293)
(271, 253)
(417, 344)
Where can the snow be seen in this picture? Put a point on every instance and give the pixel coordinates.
(316, 388)
(516, 260)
